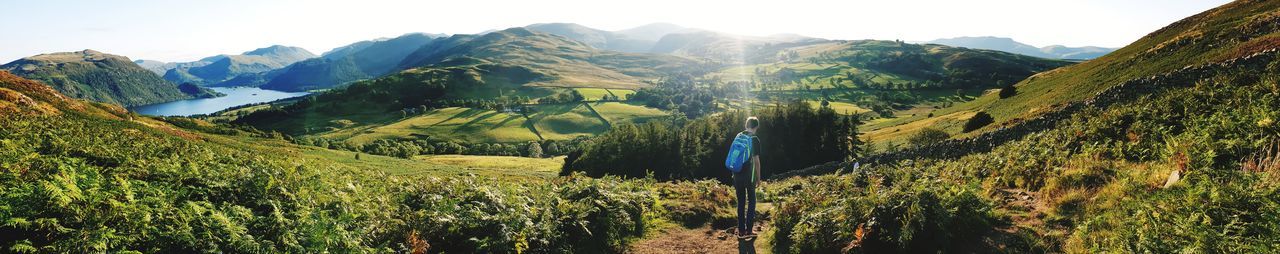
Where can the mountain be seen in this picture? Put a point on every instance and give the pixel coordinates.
(654, 32)
(361, 60)
(158, 67)
(101, 77)
(214, 70)
(878, 65)
(596, 38)
(570, 63)
(722, 47)
(1011, 46)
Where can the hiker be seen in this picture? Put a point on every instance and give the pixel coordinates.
(744, 161)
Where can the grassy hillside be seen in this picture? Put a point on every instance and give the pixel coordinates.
(1233, 30)
(100, 77)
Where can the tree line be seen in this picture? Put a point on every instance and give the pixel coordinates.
(793, 135)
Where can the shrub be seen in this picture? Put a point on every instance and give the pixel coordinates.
(1008, 91)
(927, 136)
(837, 214)
(978, 121)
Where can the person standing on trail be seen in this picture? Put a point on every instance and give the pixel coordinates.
(744, 161)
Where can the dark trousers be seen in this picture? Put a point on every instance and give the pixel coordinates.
(746, 190)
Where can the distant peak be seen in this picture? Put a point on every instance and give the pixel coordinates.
(518, 31)
(277, 49)
(83, 55)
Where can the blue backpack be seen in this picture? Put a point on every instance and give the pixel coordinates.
(739, 153)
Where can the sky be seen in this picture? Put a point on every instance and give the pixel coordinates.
(178, 31)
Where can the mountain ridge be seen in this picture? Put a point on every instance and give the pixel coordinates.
(1012, 46)
(101, 77)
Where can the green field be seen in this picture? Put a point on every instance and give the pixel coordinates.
(558, 122)
(593, 94)
(551, 122)
(461, 124)
(841, 107)
(622, 93)
(620, 112)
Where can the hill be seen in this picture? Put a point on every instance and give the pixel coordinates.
(596, 38)
(1011, 46)
(654, 32)
(568, 63)
(725, 48)
(1233, 30)
(101, 77)
(214, 70)
(361, 60)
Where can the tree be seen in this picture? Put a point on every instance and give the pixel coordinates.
(927, 136)
(1008, 91)
(534, 150)
(978, 121)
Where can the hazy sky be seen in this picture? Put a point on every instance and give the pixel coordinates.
(187, 30)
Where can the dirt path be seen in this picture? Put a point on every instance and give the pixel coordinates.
(704, 239)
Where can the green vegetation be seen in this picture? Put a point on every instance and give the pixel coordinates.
(101, 77)
(979, 120)
(879, 214)
(1169, 145)
(794, 136)
(77, 178)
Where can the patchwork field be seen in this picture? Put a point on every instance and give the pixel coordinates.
(593, 94)
(567, 121)
(621, 112)
(551, 122)
(461, 124)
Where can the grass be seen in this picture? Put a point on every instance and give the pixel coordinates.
(504, 167)
(458, 124)
(619, 112)
(622, 93)
(1213, 36)
(951, 123)
(841, 107)
(567, 121)
(547, 122)
(593, 94)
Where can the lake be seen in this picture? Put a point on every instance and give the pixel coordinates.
(236, 96)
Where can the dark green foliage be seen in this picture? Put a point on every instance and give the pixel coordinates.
(822, 215)
(793, 135)
(978, 121)
(1008, 91)
(570, 96)
(684, 93)
(197, 91)
(74, 183)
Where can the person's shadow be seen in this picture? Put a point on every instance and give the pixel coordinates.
(747, 245)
